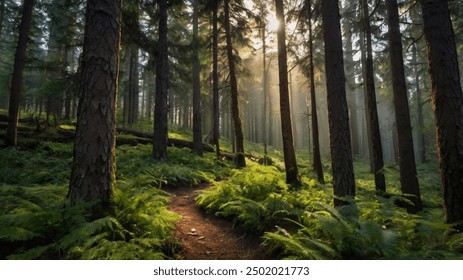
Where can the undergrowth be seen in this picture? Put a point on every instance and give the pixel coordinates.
(302, 224)
(36, 221)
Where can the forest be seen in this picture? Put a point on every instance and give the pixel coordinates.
(218, 129)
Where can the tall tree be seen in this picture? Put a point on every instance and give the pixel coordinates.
(408, 176)
(376, 150)
(447, 100)
(134, 88)
(285, 111)
(215, 79)
(263, 30)
(93, 170)
(162, 87)
(240, 159)
(317, 161)
(2, 15)
(340, 143)
(421, 142)
(348, 25)
(17, 79)
(197, 124)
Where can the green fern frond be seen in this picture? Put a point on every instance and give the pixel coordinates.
(15, 233)
(31, 254)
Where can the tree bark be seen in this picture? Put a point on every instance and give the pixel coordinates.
(264, 85)
(421, 143)
(285, 111)
(408, 175)
(215, 80)
(162, 84)
(93, 170)
(2, 15)
(376, 155)
(447, 100)
(17, 79)
(134, 89)
(340, 143)
(197, 123)
(317, 161)
(351, 90)
(240, 159)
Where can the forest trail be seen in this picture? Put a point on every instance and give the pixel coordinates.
(204, 236)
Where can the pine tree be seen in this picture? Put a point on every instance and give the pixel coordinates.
(408, 174)
(240, 159)
(317, 161)
(376, 151)
(285, 111)
(447, 100)
(17, 79)
(340, 143)
(197, 123)
(93, 170)
(162, 85)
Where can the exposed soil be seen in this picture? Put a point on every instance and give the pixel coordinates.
(204, 236)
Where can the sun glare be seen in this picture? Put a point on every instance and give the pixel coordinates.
(273, 22)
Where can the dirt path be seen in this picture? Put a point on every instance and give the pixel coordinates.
(206, 237)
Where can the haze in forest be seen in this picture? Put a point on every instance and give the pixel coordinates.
(322, 127)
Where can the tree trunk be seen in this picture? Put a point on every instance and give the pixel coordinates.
(197, 125)
(264, 87)
(293, 102)
(447, 103)
(93, 171)
(215, 81)
(162, 85)
(317, 162)
(376, 155)
(286, 129)
(150, 79)
(134, 89)
(421, 143)
(340, 143)
(17, 79)
(235, 111)
(351, 86)
(2, 15)
(408, 175)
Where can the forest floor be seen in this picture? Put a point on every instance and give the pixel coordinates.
(203, 236)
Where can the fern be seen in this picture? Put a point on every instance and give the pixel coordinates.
(299, 247)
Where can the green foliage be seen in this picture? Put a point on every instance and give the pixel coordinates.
(366, 231)
(301, 224)
(140, 228)
(36, 221)
(184, 167)
(255, 197)
(48, 164)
